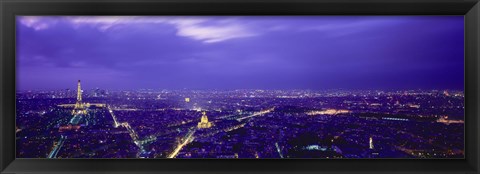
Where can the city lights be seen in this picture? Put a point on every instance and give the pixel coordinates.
(282, 129)
(200, 87)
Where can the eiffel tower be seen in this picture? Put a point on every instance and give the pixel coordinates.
(79, 106)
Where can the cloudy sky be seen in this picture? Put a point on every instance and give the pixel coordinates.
(234, 52)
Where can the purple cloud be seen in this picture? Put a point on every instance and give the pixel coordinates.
(227, 52)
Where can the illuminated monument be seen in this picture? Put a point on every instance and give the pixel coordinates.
(370, 143)
(204, 122)
(79, 106)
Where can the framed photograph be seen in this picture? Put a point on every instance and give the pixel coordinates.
(257, 86)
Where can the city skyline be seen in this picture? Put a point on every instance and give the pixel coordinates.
(240, 87)
(240, 124)
(324, 52)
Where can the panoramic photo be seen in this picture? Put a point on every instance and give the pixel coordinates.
(198, 87)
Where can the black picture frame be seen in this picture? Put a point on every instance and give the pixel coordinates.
(10, 8)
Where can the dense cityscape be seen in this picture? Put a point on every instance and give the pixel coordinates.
(151, 123)
(240, 87)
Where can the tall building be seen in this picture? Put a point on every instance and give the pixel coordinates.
(204, 122)
(79, 105)
(370, 143)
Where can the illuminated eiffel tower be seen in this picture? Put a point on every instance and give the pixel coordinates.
(79, 105)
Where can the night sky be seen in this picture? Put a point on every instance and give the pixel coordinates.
(316, 52)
